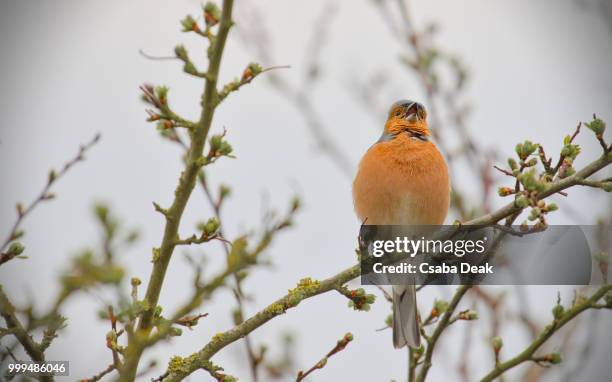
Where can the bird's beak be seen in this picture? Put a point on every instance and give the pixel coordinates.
(415, 112)
(412, 117)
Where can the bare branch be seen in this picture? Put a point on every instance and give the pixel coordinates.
(44, 195)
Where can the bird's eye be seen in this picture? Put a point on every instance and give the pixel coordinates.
(398, 113)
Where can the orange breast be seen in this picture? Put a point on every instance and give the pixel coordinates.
(403, 181)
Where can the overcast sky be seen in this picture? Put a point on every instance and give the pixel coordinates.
(71, 69)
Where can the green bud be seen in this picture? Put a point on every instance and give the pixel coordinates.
(541, 185)
(135, 281)
(525, 149)
(101, 211)
(189, 68)
(225, 148)
(554, 358)
(389, 320)
(212, 13)
(558, 311)
(441, 306)
(52, 176)
(189, 24)
(528, 180)
(570, 151)
(255, 68)
(534, 213)
(181, 52)
(521, 202)
(552, 207)
(606, 186)
(468, 315)
(224, 191)
(519, 150)
(497, 343)
(175, 332)
(111, 336)
(162, 93)
(211, 227)
(418, 352)
(567, 140)
(566, 150)
(215, 142)
(16, 248)
(597, 126)
(512, 163)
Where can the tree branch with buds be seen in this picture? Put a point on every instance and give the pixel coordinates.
(340, 345)
(15, 248)
(561, 317)
(308, 288)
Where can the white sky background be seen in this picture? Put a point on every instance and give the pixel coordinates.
(72, 68)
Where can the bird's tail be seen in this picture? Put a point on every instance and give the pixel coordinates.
(405, 324)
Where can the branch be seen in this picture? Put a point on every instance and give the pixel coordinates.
(290, 300)
(33, 349)
(444, 322)
(340, 345)
(306, 289)
(44, 195)
(528, 353)
(249, 74)
(100, 375)
(216, 204)
(184, 189)
(555, 187)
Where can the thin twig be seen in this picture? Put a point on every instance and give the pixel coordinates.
(528, 353)
(43, 196)
(340, 345)
(100, 375)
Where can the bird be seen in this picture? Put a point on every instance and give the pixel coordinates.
(403, 179)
